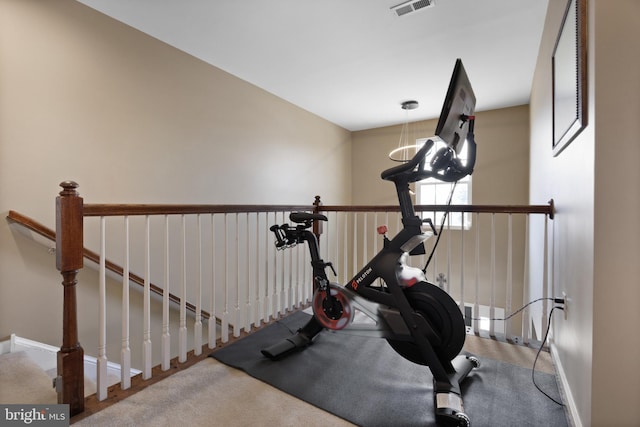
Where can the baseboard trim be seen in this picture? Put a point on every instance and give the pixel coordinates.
(565, 390)
(25, 342)
(15, 341)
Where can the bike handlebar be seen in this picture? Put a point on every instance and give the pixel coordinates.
(451, 170)
(408, 167)
(280, 232)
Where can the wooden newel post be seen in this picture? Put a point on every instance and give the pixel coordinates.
(317, 225)
(69, 259)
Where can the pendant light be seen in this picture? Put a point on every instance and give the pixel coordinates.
(401, 152)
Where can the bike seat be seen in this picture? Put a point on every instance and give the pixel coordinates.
(300, 217)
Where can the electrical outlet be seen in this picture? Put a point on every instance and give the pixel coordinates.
(566, 305)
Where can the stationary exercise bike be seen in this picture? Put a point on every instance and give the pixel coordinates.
(419, 320)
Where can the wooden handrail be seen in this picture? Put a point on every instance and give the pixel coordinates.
(32, 225)
(163, 209)
(505, 209)
(48, 233)
(170, 209)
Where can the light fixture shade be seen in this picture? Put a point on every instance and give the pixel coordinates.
(410, 105)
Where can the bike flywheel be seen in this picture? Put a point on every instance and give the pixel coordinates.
(443, 315)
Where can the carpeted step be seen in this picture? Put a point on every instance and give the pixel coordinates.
(22, 381)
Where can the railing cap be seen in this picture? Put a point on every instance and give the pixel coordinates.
(69, 188)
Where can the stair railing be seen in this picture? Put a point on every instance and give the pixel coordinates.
(71, 212)
(257, 283)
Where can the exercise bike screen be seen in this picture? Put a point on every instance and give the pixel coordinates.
(459, 103)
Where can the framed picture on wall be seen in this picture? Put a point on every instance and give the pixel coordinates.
(569, 74)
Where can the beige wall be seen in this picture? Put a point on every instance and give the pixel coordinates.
(568, 179)
(131, 119)
(596, 232)
(616, 351)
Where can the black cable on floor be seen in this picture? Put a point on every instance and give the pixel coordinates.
(533, 369)
(546, 334)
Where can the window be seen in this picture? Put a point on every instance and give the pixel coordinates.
(434, 192)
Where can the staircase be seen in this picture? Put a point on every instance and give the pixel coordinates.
(28, 370)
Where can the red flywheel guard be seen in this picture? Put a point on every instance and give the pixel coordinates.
(318, 310)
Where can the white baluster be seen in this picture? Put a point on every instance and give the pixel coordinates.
(462, 261)
(365, 240)
(545, 278)
(297, 287)
(345, 247)
(326, 238)
(125, 353)
(308, 277)
(289, 283)
(182, 330)
(282, 286)
(492, 296)
(375, 241)
(225, 296)
(275, 296)
(250, 313)
(101, 367)
(269, 262)
(476, 305)
(300, 285)
(256, 297)
(197, 327)
(146, 307)
(276, 280)
(282, 283)
(295, 283)
(448, 282)
(166, 335)
(355, 242)
(263, 300)
(525, 288)
(435, 253)
(212, 326)
(509, 284)
(237, 323)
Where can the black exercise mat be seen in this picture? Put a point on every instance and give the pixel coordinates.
(364, 381)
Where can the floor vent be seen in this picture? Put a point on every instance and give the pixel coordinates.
(411, 6)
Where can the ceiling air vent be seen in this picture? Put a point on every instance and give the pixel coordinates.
(410, 6)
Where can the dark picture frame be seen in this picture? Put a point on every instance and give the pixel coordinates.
(569, 72)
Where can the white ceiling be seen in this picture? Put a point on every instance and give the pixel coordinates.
(353, 62)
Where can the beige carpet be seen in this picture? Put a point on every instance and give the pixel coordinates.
(213, 394)
(511, 353)
(22, 381)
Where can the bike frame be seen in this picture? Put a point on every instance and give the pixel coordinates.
(389, 306)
